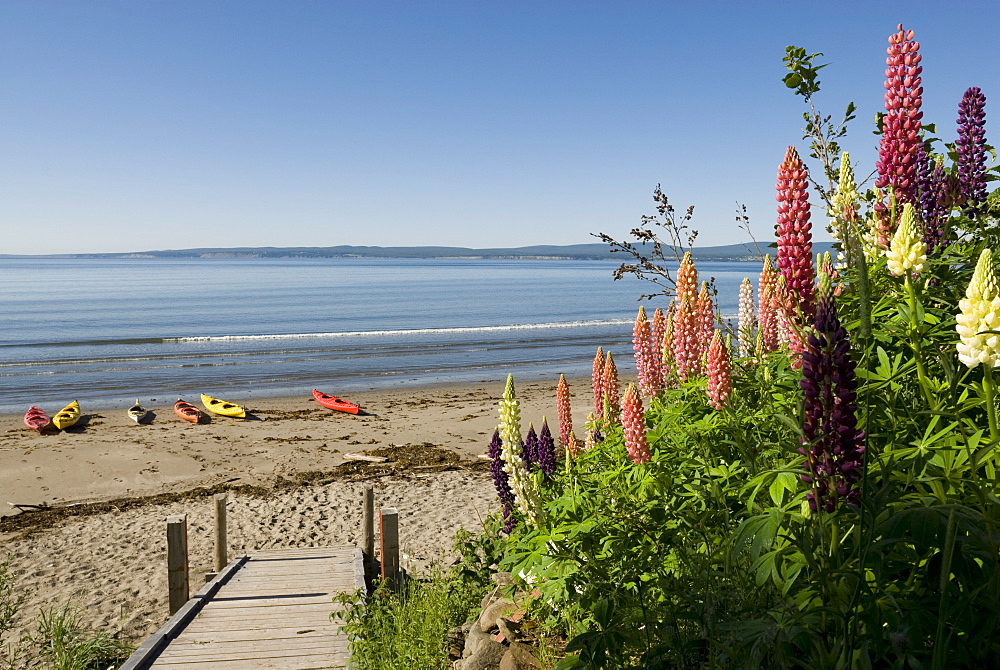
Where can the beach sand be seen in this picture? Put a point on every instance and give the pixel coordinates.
(111, 484)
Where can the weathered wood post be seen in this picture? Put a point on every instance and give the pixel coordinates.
(177, 561)
(221, 545)
(389, 537)
(368, 523)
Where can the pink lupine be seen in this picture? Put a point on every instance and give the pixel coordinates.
(646, 364)
(609, 391)
(768, 280)
(565, 417)
(687, 352)
(634, 425)
(667, 348)
(598, 382)
(897, 153)
(747, 318)
(657, 328)
(767, 322)
(795, 259)
(719, 385)
(706, 317)
(687, 278)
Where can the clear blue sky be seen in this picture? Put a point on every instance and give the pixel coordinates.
(174, 124)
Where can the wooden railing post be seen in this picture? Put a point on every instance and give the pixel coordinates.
(389, 537)
(368, 522)
(221, 546)
(177, 561)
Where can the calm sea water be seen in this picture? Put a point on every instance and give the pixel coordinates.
(108, 331)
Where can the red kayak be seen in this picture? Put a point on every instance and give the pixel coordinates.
(36, 419)
(335, 403)
(186, 410)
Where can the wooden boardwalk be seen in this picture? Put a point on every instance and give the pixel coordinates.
(269, 609)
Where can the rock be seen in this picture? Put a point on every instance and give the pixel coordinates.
(456, 642)
(489, 598)
(502, 578)
(522, 654)
(508, 662)
(474, 637)
(500, 607)
(487, 657)
(508, 628)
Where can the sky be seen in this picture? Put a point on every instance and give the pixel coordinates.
(171, 124)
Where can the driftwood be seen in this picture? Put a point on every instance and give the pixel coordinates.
(365, 457)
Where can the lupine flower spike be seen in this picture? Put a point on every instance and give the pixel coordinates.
(687, 278)
(795, 259)
(897, 153)
(667, 351)
(501, 483)
(719, 385)
(980, 312)
(971, 150)
(598, 381)
(521, 483)
(657, 329)
(590, 437)
(546, 451)
(934, 202)
(612, 402)
(565, 418)
(844, 213)
(688, 342)
(530, 453)
(831, 443)
(908, 252)
(706, 317)
(634, 425)
(747, 318)
(646, 364)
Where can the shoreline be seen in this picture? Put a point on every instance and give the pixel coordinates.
(108, 456)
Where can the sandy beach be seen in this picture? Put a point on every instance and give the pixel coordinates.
(109, 484)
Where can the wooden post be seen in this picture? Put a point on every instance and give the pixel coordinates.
(389, 537)
(368, 522)
(177, 561)
(221, 546)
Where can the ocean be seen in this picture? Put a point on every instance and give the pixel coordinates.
(106, 331)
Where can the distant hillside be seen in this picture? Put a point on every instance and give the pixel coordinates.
(598, 251)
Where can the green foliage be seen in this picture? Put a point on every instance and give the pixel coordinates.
(406, 628)
(709, 556)
(65, 644)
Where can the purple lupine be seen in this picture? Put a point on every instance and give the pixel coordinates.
(971, 150)
(932, 190)
(500, 481)
(530, 450)
(832, 443)
(546, 451)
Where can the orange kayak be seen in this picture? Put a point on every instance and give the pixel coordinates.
(330, 402)
(186, 410)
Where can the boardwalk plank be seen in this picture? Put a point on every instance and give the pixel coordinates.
(272, 612)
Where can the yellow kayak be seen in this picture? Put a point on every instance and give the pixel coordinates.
(67, 416)
(222, 407)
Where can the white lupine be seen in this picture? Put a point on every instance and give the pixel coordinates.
(907, 251)
(747, 318)
(844, 207)
(980, 312)
(521, 483)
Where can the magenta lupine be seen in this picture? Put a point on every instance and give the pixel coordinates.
(897, 153)
(545, 450)
(598, 382)
(746, 318)
(501, 483)
(831, 443)
(634, 426)
(719, 384)
(609, 391)
(647, 364)
(794, 230)
(971, 150)
(565, 418)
